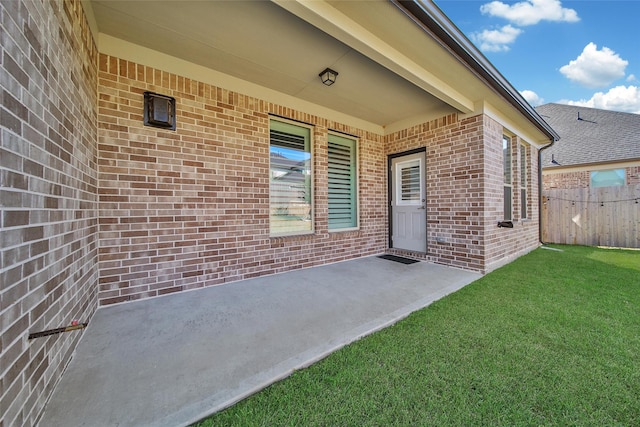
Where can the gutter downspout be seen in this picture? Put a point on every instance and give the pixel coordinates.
(540, 188)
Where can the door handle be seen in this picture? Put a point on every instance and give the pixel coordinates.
(422, 207)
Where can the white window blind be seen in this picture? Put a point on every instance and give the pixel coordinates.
(342, 177)
(410, 183)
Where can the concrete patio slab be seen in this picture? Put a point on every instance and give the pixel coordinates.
(172, 360)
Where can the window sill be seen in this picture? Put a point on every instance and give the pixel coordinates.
(300, 236)
(343, 230)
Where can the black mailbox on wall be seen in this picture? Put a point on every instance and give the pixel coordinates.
(159, 111)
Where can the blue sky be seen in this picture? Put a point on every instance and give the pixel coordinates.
(584, 53)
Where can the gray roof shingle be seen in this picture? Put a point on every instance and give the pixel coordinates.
(589, 135)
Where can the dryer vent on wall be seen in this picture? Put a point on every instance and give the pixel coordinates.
(159, 111)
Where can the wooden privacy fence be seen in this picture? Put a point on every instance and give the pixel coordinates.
(608, 216)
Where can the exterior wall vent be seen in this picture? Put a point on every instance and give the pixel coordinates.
(159, 111)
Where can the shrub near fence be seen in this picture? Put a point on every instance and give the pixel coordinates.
(608, 216)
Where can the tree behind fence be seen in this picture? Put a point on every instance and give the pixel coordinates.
(608, 216)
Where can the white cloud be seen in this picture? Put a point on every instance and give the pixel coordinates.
(496, 40)
(619, 98)
(595, 68)
(530, 12)
(532, 97)
(631, 78)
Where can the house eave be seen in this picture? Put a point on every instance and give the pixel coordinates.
(605, 165)
(430, 15)
(348, 30)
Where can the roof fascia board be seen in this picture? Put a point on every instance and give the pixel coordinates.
(427, 13)
(338, 25)
(523, 132)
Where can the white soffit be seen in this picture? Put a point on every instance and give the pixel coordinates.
(135, 53)
(348, 29)
(266, 45)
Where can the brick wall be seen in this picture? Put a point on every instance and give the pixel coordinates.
(48, 185)
(633, 175)
(465, 192)
(190, 208)
(582, 179)
(579, 179)
(455, 177)
(503, 245)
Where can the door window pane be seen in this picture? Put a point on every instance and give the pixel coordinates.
(409, 182)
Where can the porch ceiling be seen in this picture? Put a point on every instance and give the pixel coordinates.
(389, 69)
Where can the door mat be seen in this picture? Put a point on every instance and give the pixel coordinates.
(399, 259)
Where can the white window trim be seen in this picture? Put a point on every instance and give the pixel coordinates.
(508, 216)
(524, 184)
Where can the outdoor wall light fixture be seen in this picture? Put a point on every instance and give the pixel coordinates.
(328, 76)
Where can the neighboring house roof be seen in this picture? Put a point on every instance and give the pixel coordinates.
(590, 136)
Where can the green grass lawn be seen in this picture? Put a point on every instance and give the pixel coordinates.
(550, 339)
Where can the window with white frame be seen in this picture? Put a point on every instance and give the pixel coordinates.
(508, 197)
(524, 181)
(290, 179)
(342, 182)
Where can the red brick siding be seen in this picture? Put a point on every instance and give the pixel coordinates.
(633, 175)
(505, 244)
(566, 180)
(465, 192)
(454, 163)
(48, 177)
(186, 209)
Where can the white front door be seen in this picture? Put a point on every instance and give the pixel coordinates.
(408, 203)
